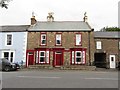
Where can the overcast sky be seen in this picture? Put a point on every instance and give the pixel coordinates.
(101, 13)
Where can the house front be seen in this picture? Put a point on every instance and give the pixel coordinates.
(60, 43)
(107, 53)
(13, 43)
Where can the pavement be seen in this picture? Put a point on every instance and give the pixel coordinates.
(104, 69)
(57, 69)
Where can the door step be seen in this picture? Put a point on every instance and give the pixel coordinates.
(40, 67)
(91, 68)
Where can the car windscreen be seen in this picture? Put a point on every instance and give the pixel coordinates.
(5, 61)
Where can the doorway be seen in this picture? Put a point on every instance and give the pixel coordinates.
(30, 58)
(100, 60)
(58, 58)
(112, 61)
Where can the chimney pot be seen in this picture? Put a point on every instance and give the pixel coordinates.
(33, 20)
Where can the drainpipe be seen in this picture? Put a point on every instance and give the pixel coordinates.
(89, 49)
(118, 55)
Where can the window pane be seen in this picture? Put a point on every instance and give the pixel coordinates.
(78, 59)
(9, 43)
(44, 37)
(78, 54)
(11, 57)
(43, 41)
(9, 39)
(30, 53)
(42, 54)
(58, 42)
(42, 59)
(78, 39)
(6, 55)
(58, 39)
(98, 45)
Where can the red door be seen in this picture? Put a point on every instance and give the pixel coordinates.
(30, 58)
(58, 59)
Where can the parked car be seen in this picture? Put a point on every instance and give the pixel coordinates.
(6, 65)
(118, 65)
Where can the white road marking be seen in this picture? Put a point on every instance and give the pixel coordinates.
(103, 78)
(38, 77)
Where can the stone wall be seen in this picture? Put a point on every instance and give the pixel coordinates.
(68, 41)
(110, 47)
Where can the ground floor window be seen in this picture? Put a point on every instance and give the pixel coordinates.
(9, 55)
(78, 57)
(42, 57)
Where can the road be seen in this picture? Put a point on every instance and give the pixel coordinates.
(60, 79)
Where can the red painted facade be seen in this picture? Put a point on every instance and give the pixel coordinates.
(58, 56)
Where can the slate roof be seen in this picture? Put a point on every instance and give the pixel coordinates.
(60, 26)
(14, 28)
(107, 34)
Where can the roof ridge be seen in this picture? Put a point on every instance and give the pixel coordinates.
(60, 21)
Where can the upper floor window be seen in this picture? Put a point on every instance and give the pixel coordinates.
(43, 39)
(58, 39)
(9, 39)
(78, 39)
(98, 45)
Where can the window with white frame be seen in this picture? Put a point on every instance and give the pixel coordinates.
(78, 39)
(78, 57)
(43, 56)
(9, 55)
(43, 39)
(98, 45)
(58, 39)
(6, 55)
(9, 39)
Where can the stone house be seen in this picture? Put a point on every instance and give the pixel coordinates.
(60, 43)
(107, 53)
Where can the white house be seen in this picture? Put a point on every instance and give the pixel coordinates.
(13, 42)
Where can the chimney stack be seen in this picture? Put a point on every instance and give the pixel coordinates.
(33, 20)
(85, 17)
(50, 17)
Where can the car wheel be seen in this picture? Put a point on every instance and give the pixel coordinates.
(7, 68)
